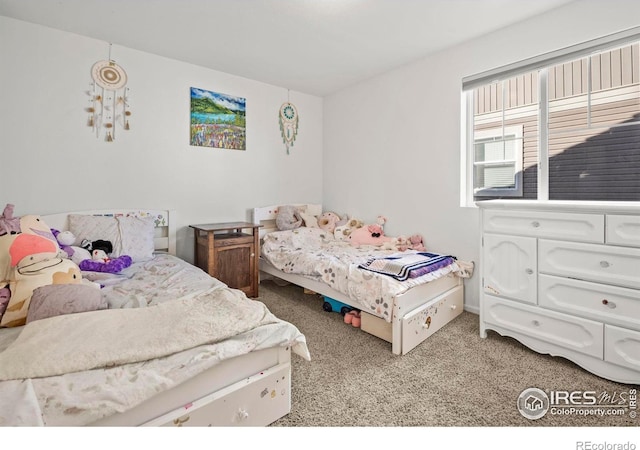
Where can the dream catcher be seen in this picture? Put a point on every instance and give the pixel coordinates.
(109, 103)
(288, 124)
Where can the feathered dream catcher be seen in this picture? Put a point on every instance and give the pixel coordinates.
(288, 124)
(109, 98)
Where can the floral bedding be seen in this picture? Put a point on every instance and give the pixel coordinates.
(316, 254)
(85, 396)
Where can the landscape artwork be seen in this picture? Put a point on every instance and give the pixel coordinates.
(217, 120)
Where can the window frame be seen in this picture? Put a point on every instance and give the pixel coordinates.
(516, 131)
(539, 63)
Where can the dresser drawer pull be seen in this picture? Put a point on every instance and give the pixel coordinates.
(604, 264)
(609, 304)
(529, 271)
(535, 224)
(535, 323)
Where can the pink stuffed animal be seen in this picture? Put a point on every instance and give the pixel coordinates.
(417, 243)
(368, 235)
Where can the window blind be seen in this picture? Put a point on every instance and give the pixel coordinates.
(551, 58)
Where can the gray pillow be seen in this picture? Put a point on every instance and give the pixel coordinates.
(57, 299)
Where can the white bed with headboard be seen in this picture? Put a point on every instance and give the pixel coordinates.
(236, 374)
(417, 312)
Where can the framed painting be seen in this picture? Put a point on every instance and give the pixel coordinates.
(217, 120)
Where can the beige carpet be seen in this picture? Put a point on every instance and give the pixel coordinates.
(454, 378)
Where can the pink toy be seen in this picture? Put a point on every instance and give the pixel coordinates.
(417, 243)
(368, 235)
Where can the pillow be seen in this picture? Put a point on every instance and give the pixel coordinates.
(57, 299)
(137, 237)
(96, 228)
(310, 221)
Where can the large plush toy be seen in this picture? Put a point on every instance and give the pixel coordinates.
(31, 258)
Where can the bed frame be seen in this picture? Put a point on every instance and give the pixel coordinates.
(417, 313)
(231, 393)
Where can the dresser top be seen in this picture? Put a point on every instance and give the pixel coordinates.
(632, 208)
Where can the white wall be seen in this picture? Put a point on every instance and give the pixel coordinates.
(51, 162)
(392, 143)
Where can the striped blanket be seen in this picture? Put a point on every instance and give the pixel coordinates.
(403, 267)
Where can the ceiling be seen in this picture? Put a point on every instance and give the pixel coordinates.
(312, 46)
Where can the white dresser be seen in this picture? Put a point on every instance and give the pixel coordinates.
(564, 279)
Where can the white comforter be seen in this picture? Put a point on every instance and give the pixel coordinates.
(70, 370)
(316, 254)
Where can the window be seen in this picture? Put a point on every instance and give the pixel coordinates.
(498, 162)
(566, 129)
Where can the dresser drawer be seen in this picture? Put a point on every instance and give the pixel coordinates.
(622, 347)
(544, 224)
(590, 262)
(581, 335)
(609, 304)
(623, 230)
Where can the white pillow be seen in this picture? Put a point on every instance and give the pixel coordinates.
(95, 228)
(137, 237)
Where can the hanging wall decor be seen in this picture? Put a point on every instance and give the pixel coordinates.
(288, 124)
(218, 120)
(109, 98)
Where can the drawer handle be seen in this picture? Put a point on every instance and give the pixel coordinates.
(535, 323)
(535, 224)
(604, 264)
(529, 271)
(608, 304)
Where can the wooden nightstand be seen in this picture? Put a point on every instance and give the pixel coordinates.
(229, 252)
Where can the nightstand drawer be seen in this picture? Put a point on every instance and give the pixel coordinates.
(602, 302)
(605, 264)
(231, 239)
(581, 335)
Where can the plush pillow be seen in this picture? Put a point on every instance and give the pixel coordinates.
(288, 218)
(35, 237)
(94, 228)
(33, 272)
(57, 299)
(137, 237)
(310, 221)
